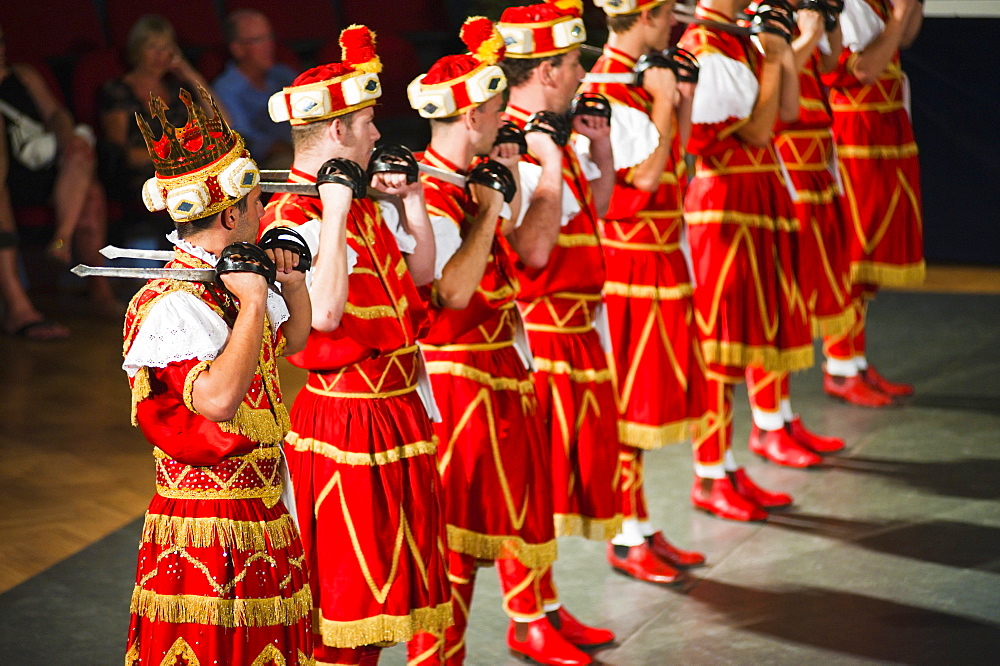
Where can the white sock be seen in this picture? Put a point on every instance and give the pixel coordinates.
(767, 420)
(630, 535)
(729, 462)
(526, 620)
(553, 607)
(647, 528)
(716, 471)
(861, 361)
(841, 368)
(787, 415)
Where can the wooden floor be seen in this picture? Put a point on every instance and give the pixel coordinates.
(73, 469)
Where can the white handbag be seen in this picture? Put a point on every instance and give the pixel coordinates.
(30, 144)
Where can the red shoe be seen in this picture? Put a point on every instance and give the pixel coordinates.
(779, 447)
(579, 634)
(725, 502)
(812, 441)
(855, 390)
(642, 564)
(544, 645)
(671, 554)
(754, 493)
(880, 383)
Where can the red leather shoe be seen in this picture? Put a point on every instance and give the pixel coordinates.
(754, 493)
(578, 633)
(671, 554)
(812, 441)
(544, 645)
(724, 502)
(640, 563)
(779, 447)
(880, 383)
(855, 390)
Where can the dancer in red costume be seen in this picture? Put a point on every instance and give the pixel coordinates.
(361, 447)
(495, 464)
(881, 176)
(655, 357)
(748, 305)
(221, 576)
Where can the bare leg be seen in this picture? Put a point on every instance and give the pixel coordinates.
(91, 235)
(74, 179)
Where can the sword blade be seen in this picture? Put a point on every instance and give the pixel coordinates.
(112, 252)
(275, 181)
(186, 274)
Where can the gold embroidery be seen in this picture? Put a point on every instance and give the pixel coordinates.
(386, 628)
(189, 381)
(524, 387)
(891, 152)
(229, 613)
(577, 240)
(580, 376)
(361, 394)
(743, 219)
(309, 445)
(269, 656)
(180, 652)
(627, 290)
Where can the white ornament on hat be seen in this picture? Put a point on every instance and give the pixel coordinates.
(152, 195)
(188, 201)
(237, 179)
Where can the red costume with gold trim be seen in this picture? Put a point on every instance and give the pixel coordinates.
(748, 304)
(361, 449)
(222, 576)
(806, 150)
(878, 159)
(559, 304)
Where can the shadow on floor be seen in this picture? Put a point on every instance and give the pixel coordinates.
(971, 478)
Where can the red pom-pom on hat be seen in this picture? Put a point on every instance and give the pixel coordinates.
(357, 46)
(482, 39)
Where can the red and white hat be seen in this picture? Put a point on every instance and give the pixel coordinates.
(622, 7)
(457, 83)
(332, 90)
(542, 31)
(201, 168)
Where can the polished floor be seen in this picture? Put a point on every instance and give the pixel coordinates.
(891, 553)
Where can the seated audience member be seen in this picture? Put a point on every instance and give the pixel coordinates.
(67, 182)
(249, 80)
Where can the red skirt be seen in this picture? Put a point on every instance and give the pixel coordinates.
(655, 360)
(221, 577)
(577, 404)
(881, 174)
(748, 304)
(368, 503)
(492, 456)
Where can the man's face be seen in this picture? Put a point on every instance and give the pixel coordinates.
(254, 44)
(248, 223)
(488, 121)
(360, 135)
(661, 24)
(566, 78)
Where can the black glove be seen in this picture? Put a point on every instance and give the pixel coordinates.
(287, 238)
(830, 9)
(591, 104)
(554, 124)
(344, 172)
(246, 258)
(511, 133)
(775, 17)
(393, 158)
(494, 175)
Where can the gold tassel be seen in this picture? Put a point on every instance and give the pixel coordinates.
(833, 325)
(650, 437)
(213, 611)
(494, 547)
(594, 529)
(260, 425)
(140, 391)
(222, 532)
(888, 275)
(386, 628)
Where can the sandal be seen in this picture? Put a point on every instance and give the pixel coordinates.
(59, 251)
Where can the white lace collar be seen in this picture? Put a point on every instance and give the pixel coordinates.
(192, 249)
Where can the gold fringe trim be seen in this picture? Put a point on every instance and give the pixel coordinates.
(213, 611)
(386, 628)
(594, 529)
(576, 375)
(627, 290)
(902, 152)
(309, 445)
(888, 275)
(140, 391)
(495, 547)
(738, 355)
(260, 425)
(836, 325)
(651, 437)
(524, 387)
(744, 219)
(190, 379)
(223, 532)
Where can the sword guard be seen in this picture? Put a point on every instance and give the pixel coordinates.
(591, 104)
(493, 174)
(393, 158)
(775, 17)
(287, 238)
(549, 122)
(511, 133)
(344, 172)
(830, 9)
(246, 258)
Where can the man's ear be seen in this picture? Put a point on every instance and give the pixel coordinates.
(337, 130)
(229, 218)
(471, 119)
(544, 72)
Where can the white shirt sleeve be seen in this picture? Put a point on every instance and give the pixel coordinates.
(310, 232)
(179, 327)
(633, 136)
(390, 209)
(530, 175)
(447, 240)
(726, 89)
(860, 25)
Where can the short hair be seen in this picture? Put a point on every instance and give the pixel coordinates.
(624, 22)
(188, 229)
(149, 25)
(304, 136)
(518, 70)
(231, 25)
